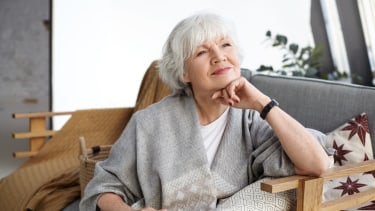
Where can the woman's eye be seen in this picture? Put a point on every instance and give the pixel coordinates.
(227, 44)
(201, 53)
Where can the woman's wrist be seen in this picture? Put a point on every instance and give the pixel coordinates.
(261, 103)
(111, 201)
(268, 107)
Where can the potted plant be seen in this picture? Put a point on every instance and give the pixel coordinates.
(298, 61)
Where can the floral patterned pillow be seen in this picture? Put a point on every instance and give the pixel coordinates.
(352, 143)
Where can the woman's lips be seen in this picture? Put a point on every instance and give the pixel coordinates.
(221, 71)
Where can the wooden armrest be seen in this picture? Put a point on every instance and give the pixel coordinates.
(309, 189)
(291, 182)
(348, 169)
(349, 201)
(38, 132)
(33, 135)
(39, 114)
(24, 154)
(282, 184)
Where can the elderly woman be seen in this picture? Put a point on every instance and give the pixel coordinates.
(212, 137)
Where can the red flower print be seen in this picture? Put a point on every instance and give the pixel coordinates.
(368, 207)
(369, 172)
(340, 153)
(358, 126)
(350, 187)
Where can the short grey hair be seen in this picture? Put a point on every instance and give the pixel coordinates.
(187, 35)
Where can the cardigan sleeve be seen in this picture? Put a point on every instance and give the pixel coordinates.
(116, 174)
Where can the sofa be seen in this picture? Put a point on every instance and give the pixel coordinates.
(319, 104)
(327, 106)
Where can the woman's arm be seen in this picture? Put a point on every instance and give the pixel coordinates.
(306, 153)
(303, 149)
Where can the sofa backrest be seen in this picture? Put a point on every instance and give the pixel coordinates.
(319, 104)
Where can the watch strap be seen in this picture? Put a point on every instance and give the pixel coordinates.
(268, 107)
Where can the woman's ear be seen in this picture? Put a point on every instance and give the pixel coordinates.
(185, 77)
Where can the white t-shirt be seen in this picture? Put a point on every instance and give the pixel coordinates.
(212, 134)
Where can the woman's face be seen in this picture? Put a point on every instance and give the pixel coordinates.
(212, 66)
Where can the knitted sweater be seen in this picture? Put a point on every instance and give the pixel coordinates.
(160, 161)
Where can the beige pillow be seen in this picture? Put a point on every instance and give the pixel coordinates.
(352, 142)
(253, 198)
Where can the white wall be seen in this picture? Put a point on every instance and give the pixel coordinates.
(101, 48)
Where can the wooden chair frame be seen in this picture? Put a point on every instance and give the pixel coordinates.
(38, 133)
(309, 189)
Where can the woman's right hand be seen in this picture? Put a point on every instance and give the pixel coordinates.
(240, 93)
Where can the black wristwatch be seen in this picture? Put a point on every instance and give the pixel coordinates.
(268, 107)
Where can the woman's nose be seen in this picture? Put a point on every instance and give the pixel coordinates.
(218, 57)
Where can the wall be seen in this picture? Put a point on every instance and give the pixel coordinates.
(24, 44)
(101, 49)
(24, 71)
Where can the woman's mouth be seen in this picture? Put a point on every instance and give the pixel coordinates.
(221, 71)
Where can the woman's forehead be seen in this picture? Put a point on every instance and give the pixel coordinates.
(215, 40)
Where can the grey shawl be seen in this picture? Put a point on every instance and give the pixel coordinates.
(160, 161)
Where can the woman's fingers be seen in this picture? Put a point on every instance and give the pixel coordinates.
(222, 97)
(230, 97)
(232, 89)
(226, 96)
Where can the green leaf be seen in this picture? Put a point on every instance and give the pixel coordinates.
(285, 60)
(289, 65)
(281, 39)
(268, 33)
(264, 68)
(293, 48)
(298, 60)
(297, 73)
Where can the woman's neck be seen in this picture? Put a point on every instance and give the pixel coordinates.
(208, 110)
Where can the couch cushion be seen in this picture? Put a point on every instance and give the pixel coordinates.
(320, 104)
(353, 144)
(351, 141)
(253, 198)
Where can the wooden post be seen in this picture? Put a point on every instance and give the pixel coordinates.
(312, 194)
(37, 124)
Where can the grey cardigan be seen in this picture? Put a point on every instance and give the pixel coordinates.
(160, 161)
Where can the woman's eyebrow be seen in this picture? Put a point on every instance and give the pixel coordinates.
(204, 45)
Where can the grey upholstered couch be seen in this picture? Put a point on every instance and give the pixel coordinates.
(319, 104)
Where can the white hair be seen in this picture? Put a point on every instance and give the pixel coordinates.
(186, 36)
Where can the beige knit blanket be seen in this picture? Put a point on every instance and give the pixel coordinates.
(50, 180)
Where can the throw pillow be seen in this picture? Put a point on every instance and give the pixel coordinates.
(352, 142)
(253, 198)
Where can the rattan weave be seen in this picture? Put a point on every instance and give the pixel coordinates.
(88, 159)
